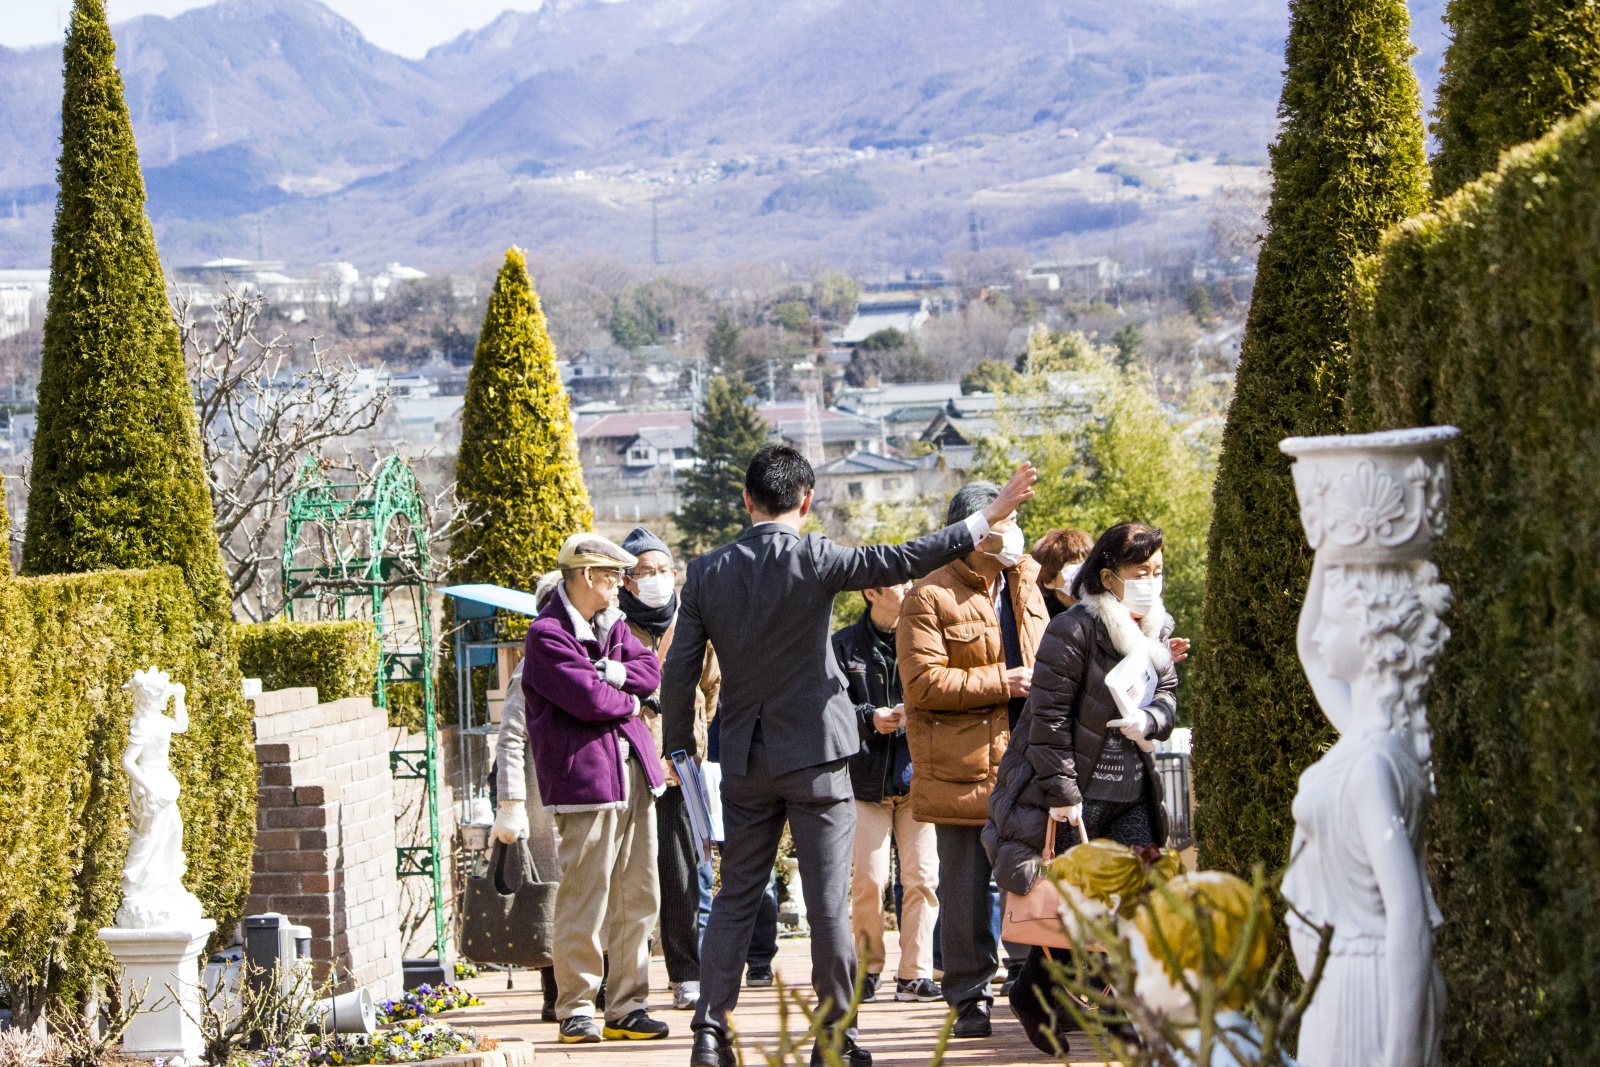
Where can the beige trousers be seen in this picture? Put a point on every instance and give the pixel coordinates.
(918, 844)
(608, 889)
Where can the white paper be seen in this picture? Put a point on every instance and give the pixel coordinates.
(1133, 686)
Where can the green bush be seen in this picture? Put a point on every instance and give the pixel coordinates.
(117, 479)
(1483, 315)
(339, 659)
(1348, 163)
(67, 645)
(1513, 69)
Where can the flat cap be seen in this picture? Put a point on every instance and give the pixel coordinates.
(592, 550)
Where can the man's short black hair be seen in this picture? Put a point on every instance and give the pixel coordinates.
(777, 479)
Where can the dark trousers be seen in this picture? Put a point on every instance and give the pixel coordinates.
(819, 807)
(676, 865)
(967, 941)
(764, 942)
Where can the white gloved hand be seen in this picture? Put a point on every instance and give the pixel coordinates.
(510, 822)
(1069, 813)
(613, 672)
(1135, 727)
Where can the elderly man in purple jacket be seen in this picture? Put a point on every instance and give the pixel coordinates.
(583, 679)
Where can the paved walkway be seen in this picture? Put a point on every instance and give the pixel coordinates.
(898, 1035)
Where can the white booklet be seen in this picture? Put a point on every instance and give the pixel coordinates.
(1133, 685)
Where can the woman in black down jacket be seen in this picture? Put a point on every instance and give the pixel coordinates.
(1071, 750)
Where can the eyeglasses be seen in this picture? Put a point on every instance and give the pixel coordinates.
(649, 572)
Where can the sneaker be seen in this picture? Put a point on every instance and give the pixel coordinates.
(579, 1030)
(869, 989)
(758, 977)
(973, 1021)
(635, 1026)
(922, 990)
(686, 996)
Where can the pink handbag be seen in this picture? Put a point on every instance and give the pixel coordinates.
(1035, 919)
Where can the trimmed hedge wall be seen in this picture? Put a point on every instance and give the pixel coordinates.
(1486, 315)
(67, 644)
(340, 659)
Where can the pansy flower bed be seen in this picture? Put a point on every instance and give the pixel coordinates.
(407, 1042)
(425, 1000)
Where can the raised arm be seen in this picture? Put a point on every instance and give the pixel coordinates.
(841, 569)
(1374, 793)
(683, 671)
(180, 710)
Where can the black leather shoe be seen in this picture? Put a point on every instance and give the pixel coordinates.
(973, 1021)
(853, 1055)
(711, 1049)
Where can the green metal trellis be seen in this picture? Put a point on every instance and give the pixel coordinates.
(367, 556)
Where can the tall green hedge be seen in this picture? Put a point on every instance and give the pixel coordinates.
(1348, 164)
(1486, 315)
(1513, 69)
(338, 659)
(67, 645)
(117, 478)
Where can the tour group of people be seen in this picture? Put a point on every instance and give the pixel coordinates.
(965, 709)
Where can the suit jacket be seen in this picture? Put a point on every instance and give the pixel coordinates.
(766, 602)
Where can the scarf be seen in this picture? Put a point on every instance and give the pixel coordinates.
(655, 620)
(1128, 635)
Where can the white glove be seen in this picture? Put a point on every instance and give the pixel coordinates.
(1069, 813)
(1135, 727)
(614, 673)
(510, 822)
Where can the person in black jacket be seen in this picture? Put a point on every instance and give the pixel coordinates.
(880, 775)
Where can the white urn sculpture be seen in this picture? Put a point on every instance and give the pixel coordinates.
(160, 930)
(1370, 631)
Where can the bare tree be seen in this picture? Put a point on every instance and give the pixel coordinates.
(261, 411)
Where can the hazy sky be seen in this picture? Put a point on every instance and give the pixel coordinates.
(409, 27)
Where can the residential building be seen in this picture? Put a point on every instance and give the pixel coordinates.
(866, 478)
(872, 315)
(22, 298)
(1088, 276)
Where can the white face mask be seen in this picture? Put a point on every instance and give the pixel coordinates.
(1141, 595)
(1011, 547)
(1068, 574)
(655, 590)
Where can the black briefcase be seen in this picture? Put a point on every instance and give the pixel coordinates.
(509, 915)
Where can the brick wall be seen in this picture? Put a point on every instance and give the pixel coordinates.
(325, 833)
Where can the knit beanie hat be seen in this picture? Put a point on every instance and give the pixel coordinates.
(640, 540)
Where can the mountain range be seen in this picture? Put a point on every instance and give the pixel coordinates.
(870, 133)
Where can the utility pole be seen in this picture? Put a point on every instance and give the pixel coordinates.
(772, 381)
(655, 229)
(972, 230)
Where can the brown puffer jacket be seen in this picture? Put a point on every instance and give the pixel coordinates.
(953, 675)
(1059, 737)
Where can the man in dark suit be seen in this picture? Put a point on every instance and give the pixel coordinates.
(787, 725)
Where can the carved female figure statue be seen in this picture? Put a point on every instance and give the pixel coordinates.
(1370, 631)
(152, 877)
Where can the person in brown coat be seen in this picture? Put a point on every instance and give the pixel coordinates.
(965, 645)
(1074, 751)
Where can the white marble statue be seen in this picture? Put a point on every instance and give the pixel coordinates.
(153, 895)
(1370, 630)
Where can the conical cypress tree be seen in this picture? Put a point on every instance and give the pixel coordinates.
(518, 466)
(118, 479)
(1347, 164)
(727, 433)
(1514, 68)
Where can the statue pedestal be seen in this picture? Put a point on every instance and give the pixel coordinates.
(163, 963)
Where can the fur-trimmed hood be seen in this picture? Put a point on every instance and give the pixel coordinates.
(1128, 635)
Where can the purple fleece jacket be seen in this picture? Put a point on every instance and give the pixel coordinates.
(575, 718)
